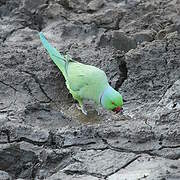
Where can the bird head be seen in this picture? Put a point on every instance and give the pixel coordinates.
(111, 100)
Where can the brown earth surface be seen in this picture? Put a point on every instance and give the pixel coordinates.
(42, 133)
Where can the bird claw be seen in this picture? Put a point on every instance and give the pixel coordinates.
(98, 113)
(82, 109)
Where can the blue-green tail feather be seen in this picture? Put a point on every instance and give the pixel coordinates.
(57, 58)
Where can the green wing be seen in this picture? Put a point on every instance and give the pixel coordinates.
(85, 80)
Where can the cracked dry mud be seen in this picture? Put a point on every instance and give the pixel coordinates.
(42, 133)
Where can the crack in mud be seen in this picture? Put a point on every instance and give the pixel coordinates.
(124, 166)
(76, 172)
(140, 152)
(22, 139)
(170, 147)
(8, 85)
(10, 33)
(40, 86)
(78, 144)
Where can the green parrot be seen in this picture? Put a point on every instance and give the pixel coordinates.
(85, 81)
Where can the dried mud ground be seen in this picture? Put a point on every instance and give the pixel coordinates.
(42, 133)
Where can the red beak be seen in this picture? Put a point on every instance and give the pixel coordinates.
(118, 109)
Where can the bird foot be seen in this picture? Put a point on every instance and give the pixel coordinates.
(82, 109)
(97, 109)
(98, 113)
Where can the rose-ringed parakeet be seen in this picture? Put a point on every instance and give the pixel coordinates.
(85, 81)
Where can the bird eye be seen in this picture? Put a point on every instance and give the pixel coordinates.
(112, 102)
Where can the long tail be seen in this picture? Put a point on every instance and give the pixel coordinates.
(57, 58)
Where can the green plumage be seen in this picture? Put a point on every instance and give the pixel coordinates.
(84, 81)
